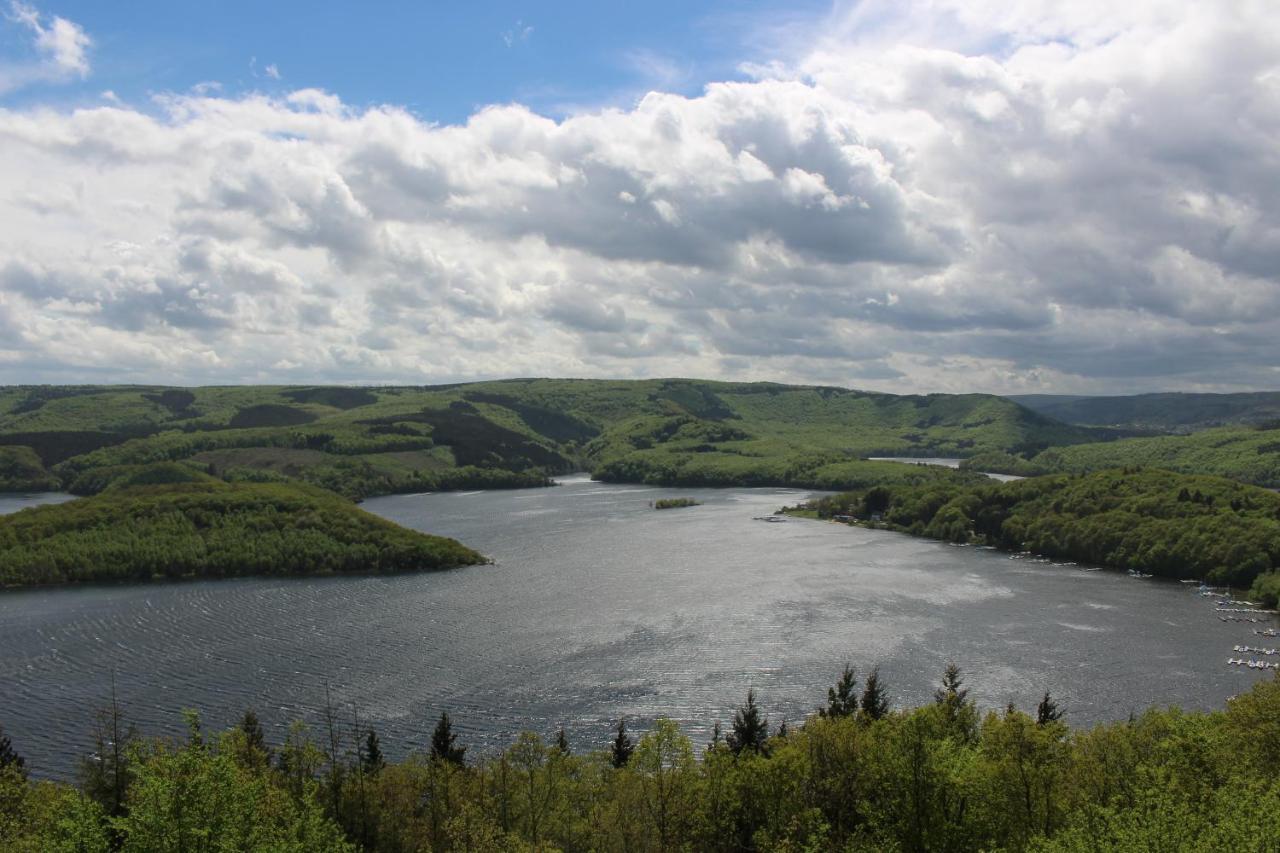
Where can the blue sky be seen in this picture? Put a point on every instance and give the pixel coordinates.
(439, 60)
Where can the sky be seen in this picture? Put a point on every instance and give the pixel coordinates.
(898, 195)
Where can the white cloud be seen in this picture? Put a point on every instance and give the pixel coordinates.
(272, 71)
(1011, 201)
(61, 48)
(517, 34)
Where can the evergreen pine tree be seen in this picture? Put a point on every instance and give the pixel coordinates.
(372, 753)
(9, 757)
(951, 692)
(1047, 711)
(750, 729)
(960, 715)
(252, 751)
(717, 737)
(252, 728)
(562, 741)
(105, 775)
(622, 746)
(444, 742)
(842, 700)
(875, 701)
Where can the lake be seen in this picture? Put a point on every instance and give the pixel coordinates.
(597, 607)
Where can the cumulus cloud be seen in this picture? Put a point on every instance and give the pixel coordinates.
(939, 195)
(61, 48)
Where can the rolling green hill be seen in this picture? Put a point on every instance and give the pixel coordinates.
(170, 521)
(1162, 412)
(366, 441)
(1249, 455)
(1167, 524)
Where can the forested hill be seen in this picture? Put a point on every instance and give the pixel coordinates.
(1162, 412)
(169, 521)
(1247, 454)
(1159, 522)
(365, 441)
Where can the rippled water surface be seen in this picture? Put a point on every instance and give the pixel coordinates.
(599, 606)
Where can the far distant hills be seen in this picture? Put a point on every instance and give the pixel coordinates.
(368, 441)
(1172, 412)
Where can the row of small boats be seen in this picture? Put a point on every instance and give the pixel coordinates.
(1253, 664)
(1253, 650)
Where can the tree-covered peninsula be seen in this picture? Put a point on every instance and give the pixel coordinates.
(169, 522)
(1155, 521)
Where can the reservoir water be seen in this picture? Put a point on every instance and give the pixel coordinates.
(599, 607)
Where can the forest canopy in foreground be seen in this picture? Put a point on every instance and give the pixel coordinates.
(1155, 521)
(857, 776)
(169, 521)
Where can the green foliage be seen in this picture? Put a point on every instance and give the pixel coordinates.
(750, 732)
(874, 703)
(444, 742)
(1266, 589)
(202, 527)
(999, 462)
(9, 756)
(22, 471)
(622, 748)
(362, 442)
(1155, 521)
(1250, 455)
(909, 780)
(1173, 411)
(674, 503)
(842, 699)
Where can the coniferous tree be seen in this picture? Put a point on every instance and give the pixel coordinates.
(842, 700)
(750, 728)
(444, 744)
(958, 712)
(875, 700)
(622, 746)
(717, 737)
(255, 752)
(106, 774)
(1047, 711)
(562, 741)
(783, 731)
(252, 728)
(372, 753)
(9, 757)
(951, 692)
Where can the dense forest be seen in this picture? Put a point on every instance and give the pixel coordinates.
(1163, 412)
(857, 775)
(1150, 520)
(1248, 454)
(168, 521)
(368, 441)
